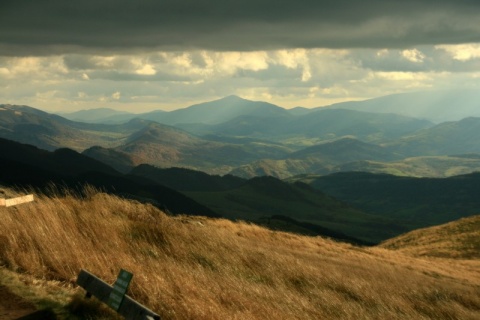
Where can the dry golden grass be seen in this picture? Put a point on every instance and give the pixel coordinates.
(199, 268)
(457, 239)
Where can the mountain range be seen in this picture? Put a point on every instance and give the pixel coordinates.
(65, 170)
(435, 106)
(361, 208)
(213, 112)
(252, 138)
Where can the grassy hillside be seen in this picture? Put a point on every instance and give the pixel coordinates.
(323, 158)
(456, 137)
(432, 166)
(198, 268)
(278, 205)
(166, 146)
(345, 150)
(282, 169)
(457, 239)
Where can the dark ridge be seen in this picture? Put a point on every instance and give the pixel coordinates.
(25, 167)
(182, 179)
(422, 201)
(316, 230)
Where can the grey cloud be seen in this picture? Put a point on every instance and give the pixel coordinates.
(118, 68)
(79, 62)
(273, 72)
(391, 61)
(123, 76)
(87, 62)
(58, 26)
(435, 60)
(197, 60)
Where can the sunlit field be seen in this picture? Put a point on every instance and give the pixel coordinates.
(198, 268)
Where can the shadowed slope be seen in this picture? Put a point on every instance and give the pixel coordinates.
(422, 202)
(261, 198)
(27, 166)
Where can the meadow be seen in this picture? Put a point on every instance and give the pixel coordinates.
(202, 268)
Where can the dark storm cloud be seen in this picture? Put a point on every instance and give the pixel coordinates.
(59, 26)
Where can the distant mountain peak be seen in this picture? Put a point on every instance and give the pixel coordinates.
(232, 97)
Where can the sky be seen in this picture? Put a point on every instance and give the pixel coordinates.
(142, 55)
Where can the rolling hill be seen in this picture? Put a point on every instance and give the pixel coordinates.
(166, 146)
(219, 111)
(430, 166)
(259, 199)
(127, 145)
(197, 268)
(266, 200)
(319, 159)
(34, 127)
(61, 161)
(182, 179)
(237, 117)
(458, 239)
(328, 124)
(212, 112)
(256, 138)
(435, 106)
(119, 160)
(275, 204)
(317, 126)
(27, 167)
(47, 131)
(456, 137)
(345, 150)
(281, 169)
(421, 202)
(99, 115)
